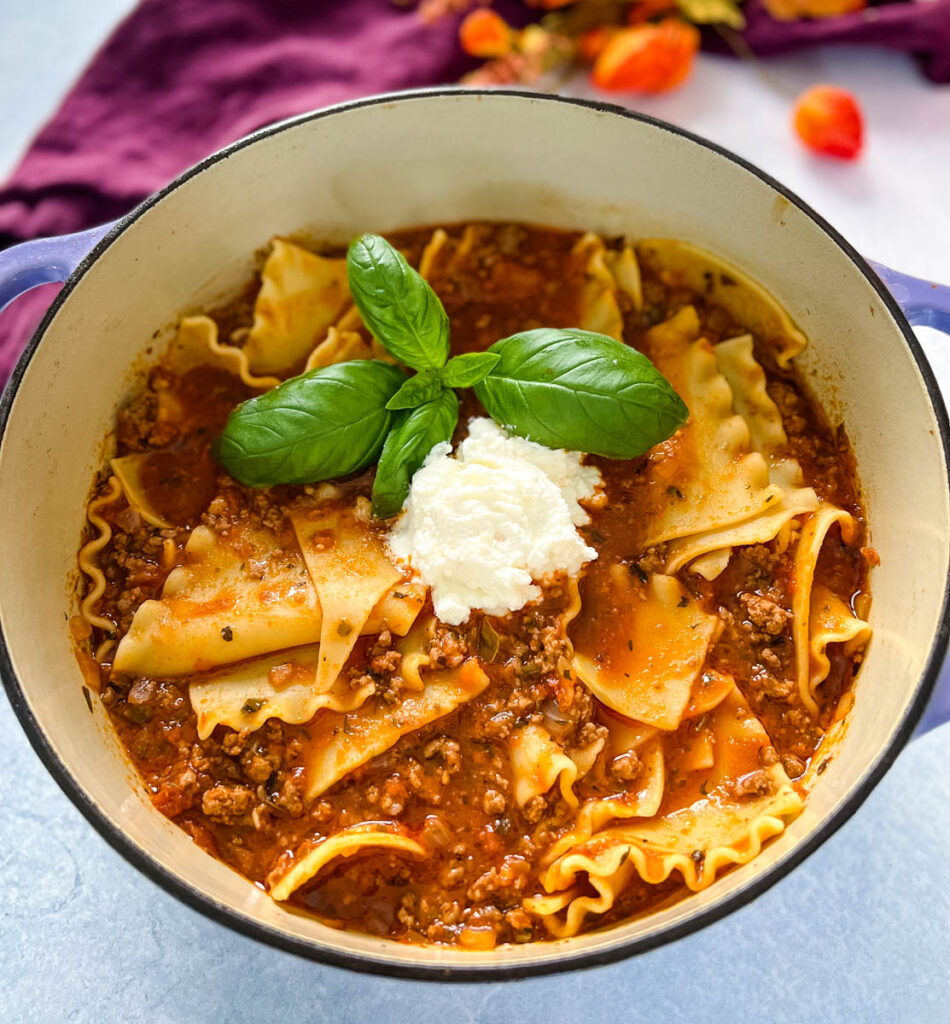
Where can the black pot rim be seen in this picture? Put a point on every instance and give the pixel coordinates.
(231, 918)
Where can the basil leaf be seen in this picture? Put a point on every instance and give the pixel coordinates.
(413, 436)
(323, 424)
(396, 304)
(423, 387)
(582, 391)
(464, 371)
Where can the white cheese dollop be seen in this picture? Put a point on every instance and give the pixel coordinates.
(481, 527)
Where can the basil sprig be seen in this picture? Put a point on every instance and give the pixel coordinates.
(414, 434)
(466, 370)
(323, 424)
(419, 389)
(562, 388)
(396, 304)
(582, 391)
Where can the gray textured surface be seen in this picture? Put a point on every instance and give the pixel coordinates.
(44, 44)
(858, 933)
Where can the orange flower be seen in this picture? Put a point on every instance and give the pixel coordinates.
(647, 58)
(485, 33)
(828, 120)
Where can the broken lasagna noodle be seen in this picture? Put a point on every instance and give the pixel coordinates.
(291, 701)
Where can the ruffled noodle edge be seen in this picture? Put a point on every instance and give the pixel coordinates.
(89, 566)
(610, 869)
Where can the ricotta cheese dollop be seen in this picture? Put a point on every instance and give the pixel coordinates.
(480, 528)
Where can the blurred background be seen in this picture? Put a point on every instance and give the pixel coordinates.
(848, 104)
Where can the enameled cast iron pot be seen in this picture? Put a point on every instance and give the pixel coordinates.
(421, 158)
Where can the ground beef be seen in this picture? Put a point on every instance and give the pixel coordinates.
(142, 692)
(589, 733)
(757, 565)
(774, 687)
(521, 700)
(652, 561)
(549, 642)
(380, 669)
(519, 922)
(764, 613)
(271, 512)
(499, 726)
(233, 743)
(540, 648)
(447, 750)
(134, 423)
(290, 796)
(571, 724)
(259, 765)
(625, 767)
(448, 648)
(794, 766)
(227, 804)
(770, 659)
(768, 756)
(384, 658)
(177, 790)
(533, 811)
(790, 405)
(509, 880)
(752, 785)
(393, 799)
(493, 802)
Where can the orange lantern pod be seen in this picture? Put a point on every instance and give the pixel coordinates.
(484, 33)
(647, 58)
(828, 120)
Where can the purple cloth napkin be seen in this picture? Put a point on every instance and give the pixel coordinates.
(920, 27)
(181, 78)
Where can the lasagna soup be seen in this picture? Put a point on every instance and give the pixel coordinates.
(309, 699)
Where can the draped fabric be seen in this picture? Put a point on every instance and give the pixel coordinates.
(179, 79)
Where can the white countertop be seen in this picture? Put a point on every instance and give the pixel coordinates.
(859, 933)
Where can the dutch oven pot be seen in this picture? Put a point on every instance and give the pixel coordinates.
(443, 156)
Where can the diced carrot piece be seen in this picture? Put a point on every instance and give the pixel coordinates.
(478, 938)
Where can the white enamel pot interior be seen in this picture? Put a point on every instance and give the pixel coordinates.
(422, 158)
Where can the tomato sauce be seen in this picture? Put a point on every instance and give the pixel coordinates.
(241, 796)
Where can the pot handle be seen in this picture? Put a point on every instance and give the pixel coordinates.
(44, 261)
(925, 304)
(937, 711)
